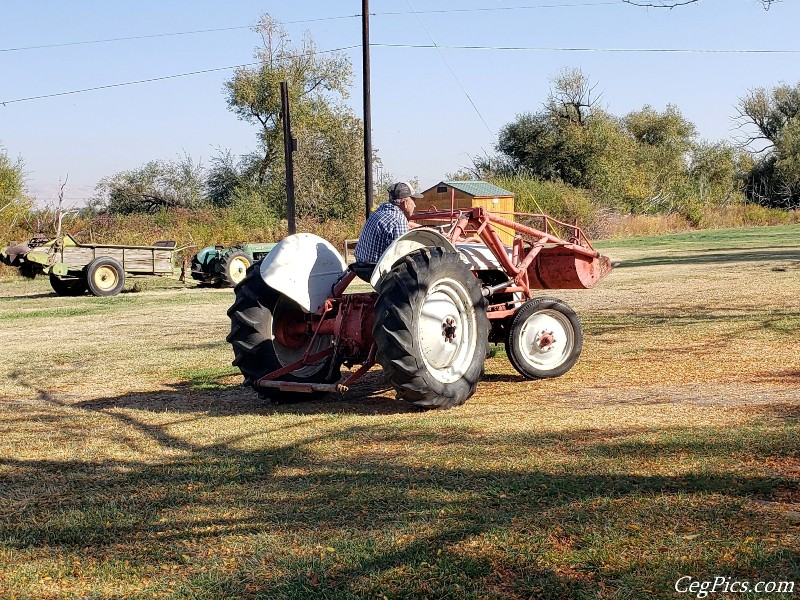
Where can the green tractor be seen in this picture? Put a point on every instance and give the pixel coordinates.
(220, 266)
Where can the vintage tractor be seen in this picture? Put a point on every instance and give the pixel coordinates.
(439, 298)
(226, 266)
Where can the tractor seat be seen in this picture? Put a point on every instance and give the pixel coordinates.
(164, 244)
(363, 270)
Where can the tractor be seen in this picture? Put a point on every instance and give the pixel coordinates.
(439, 296)
(220, 266)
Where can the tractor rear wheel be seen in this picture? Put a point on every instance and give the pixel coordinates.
(260, 317)
(544, 339)
(105, 276)
(235, 267)
(68, 286)
(431, 330)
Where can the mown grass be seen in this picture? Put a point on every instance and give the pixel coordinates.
(136, 466)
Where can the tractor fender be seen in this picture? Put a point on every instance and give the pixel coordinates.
(203, 255)
(419, 237)
(303, 267)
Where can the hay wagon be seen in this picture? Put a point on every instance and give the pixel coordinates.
(101, 268)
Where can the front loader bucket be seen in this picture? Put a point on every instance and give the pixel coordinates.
(559, 268)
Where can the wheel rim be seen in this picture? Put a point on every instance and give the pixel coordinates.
(105, 278)
(546, 339)
(287, 309)
(446, 330)
(238, 268)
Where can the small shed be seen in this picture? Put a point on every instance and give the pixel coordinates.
(471, 194)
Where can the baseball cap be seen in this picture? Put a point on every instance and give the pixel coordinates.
(401, 190)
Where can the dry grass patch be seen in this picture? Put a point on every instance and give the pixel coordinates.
(132, 464)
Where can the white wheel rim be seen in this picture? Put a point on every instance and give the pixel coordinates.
(546, 339)
(105, 278)
(238, 268)
(287, 356)
(446, 330)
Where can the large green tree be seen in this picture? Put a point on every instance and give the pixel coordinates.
(771, 120)
(15, 203)
(157, 184)
(328, 163)
(12, 179)
(646, 161)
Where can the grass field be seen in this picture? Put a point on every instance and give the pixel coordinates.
(132, 463)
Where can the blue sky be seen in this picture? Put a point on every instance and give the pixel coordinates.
(424, 124)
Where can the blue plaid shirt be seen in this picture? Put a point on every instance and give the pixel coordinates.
(383, 227)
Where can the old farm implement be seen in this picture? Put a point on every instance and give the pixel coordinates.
(101, 268)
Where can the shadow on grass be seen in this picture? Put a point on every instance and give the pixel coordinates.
(773, 321)
(28, 296)
(340, 512)
(695, 257)
(371, 395)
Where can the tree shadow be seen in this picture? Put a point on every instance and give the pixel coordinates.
(694, 258)
(29, 296)
(371, 395)
(482, 527)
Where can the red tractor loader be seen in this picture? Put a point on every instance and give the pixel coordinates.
(441, 294)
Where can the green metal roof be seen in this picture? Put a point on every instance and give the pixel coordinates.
(478, 188)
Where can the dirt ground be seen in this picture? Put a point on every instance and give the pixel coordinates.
(134, 464)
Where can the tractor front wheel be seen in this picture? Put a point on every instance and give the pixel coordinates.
(235, 267)
(105, 276)
(544, 338)
(67, 285)
(431, 329)
(267, 333)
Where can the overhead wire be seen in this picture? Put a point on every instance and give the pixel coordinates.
(433, 45)
(152, 79)
(452, 72)
(582, 49)
(314, 20)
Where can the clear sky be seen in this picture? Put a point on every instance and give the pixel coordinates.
(424, 122)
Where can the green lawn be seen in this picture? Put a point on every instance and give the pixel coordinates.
(133, 464)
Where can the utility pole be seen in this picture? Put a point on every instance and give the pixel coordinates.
(367, 108)
(289, 146)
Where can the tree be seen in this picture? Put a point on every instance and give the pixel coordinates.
(12, 179)
(15, 203)
(158, 184)
(771, 118)
(646, 161)
(328, 164)
(556, 142)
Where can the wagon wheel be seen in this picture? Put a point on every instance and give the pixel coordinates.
(432, 332)
(105, 276)
(235, 267)
(68, 285)
(268, 332)
(544, 338)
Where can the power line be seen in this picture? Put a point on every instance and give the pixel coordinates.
(316, 20)
(160, 35)
(578, 49)
(435, 46)
(452, 72)
(127, 83)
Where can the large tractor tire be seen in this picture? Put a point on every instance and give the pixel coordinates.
(544, 338)
(105, 276)
(234, 267)
(260, 317)
(67, 285)
(431, 329)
